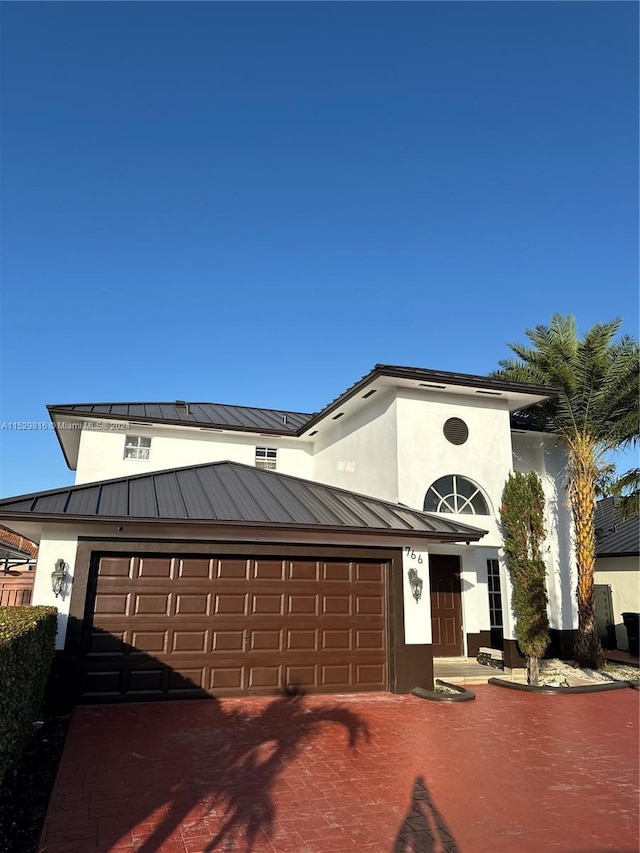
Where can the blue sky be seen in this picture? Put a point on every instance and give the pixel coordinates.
(254, 203)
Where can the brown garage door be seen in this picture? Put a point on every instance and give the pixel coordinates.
(171, 627)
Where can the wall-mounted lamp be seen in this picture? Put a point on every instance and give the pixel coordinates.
(416, 584)
(58, 577)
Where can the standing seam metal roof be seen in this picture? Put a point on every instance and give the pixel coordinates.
(199, 414)
(279, 421)
(615, 537)
(233, 493)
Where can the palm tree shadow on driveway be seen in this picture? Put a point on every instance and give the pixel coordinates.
(235, 764)
(210, 768)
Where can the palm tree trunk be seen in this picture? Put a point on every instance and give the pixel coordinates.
(582, 495)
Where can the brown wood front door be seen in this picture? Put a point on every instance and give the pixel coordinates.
(446, 605)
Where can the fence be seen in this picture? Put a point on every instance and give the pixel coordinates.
(16, 588)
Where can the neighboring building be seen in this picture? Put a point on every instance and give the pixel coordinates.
(17, 568)
(617, 574)
(235, 550)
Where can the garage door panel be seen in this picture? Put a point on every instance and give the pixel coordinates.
(226, 678)
(369, 605)
(151, 642)
(372, 572)
(337, 639)
(232, 569)
(336, 605)
(190, 641)
(265, 641)
(188, 680)
(336, 676)
(176, 626)
(102, 683)
(233, 604)
(193, 603)
(305, 640)
(303, 676)
(227, 640)
(116, 567)
(265, 603)
(148, 680)
(303, 604)
(337, 572)
(368, 674)
(112, 604)
(369, 640)
(154, 568)
(151, 604)
(265, 676)
(194, 569)
(268, 570)
(303, 570)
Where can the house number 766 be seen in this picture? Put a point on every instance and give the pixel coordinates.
(412, 555)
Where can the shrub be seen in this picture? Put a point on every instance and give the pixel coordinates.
(522, 517)
(27, 644)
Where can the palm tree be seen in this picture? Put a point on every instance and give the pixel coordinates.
(596, 409)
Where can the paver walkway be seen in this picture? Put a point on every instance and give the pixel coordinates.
(384, 774)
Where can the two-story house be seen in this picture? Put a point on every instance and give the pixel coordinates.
(229, 550)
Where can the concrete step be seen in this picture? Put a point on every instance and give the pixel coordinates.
(469, 671)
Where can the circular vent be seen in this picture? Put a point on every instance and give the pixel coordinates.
(456, 431)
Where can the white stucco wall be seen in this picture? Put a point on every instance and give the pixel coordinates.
(57, 542)
(359, 452)
(622, 574)
(425, 455)
(101, 454)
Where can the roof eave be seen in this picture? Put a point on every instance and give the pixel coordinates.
(466, 380)
(470, 535)
(140, 419)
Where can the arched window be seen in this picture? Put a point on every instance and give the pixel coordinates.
(456, 494)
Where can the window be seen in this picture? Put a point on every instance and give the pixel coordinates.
(495, 593)
(137, 447)
(456, 494)
(495, 604)
(266, 457)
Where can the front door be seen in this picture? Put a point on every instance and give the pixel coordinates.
(446, 605)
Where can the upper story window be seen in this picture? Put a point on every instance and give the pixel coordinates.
(456, 494)
(266, 457)
(137, 447)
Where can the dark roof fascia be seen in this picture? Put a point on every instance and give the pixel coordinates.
(200, 425)
(603, 555)
(474, 536)
(397, 372)
(470, 380)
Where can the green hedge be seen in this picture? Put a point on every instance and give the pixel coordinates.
(27, 645)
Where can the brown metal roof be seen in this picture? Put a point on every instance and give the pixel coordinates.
(212, 415)
(277, 421)
(615, 537)
(231, 493)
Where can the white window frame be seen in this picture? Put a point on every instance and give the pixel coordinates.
(137, 447)
(267, 458)
(455, 502)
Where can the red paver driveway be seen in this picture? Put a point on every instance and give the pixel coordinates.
(387, 774)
